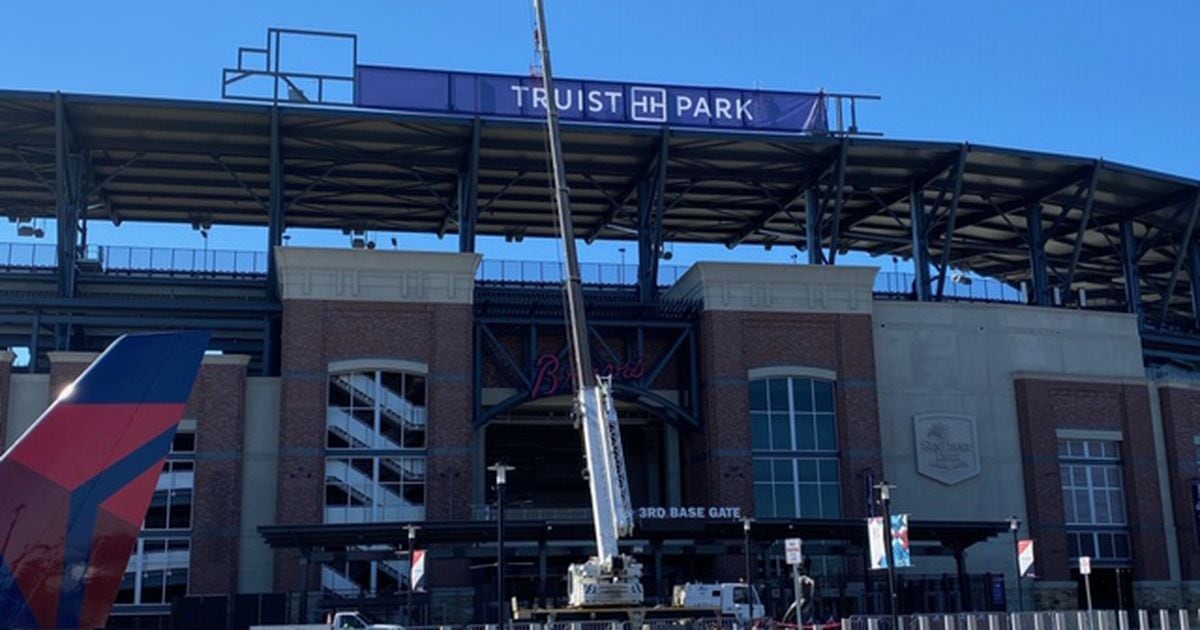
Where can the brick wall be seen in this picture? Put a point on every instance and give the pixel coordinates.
(734, 342)
(1181, 424)
(316, 332)
(1043, 407)
(218, 403)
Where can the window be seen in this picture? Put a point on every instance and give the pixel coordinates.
(793, 428)
(158, 568)
(157, 572)
(375, 410)
(375, 440)
(1093, 499)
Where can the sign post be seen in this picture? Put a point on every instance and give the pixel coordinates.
(795, 557)
(1085, 569)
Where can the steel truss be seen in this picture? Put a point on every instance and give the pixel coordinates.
(1071, 232)
(512, 341)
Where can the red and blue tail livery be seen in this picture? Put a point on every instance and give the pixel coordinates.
(74, 489)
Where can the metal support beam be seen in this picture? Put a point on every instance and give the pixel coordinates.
(812, 226)
(1133, 280)
(1194, 280)
(623, 197)
(650, 219)
(951, 217)
(468, 194)
(809, 180)
(276, 221)
(1037, 256)
(1184, 246)
(1083, 227)
(920, 257)
(839, 184)
(66, 199)
(647, 256)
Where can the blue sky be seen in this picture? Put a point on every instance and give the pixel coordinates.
(1099, 78)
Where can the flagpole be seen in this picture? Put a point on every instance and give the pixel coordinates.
(1014, 525)
(885, 498)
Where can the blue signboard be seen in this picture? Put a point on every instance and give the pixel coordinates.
(593, 101)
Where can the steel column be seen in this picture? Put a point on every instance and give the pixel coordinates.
(920, 253)
(468, 194)
(812, 225)
(1083, 224)
(1037, 256)
(276, 222)
(650, 218)
(950, 219)
(275, 206)
(1184, 246)
(66, 198)
(1194, 280)
(839, 184)
(1133, 281)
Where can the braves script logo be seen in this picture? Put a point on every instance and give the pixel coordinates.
(553, 377)
(947, 449)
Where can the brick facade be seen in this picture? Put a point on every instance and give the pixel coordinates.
(1046, 405)
(218, 403)
(734, 342)
(1181, 425)
(317, 332)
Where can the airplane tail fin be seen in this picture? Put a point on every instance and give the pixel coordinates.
(76, 485)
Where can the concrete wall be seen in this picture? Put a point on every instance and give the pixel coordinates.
(28, 397)
(6, 361)
(961, 358)
(260, 462)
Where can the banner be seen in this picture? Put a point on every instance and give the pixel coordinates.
(436, 91)
(1024, 556)
(900, 550)
(417, 576)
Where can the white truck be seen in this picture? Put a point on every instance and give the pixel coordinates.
(732, 600)
(692, 601)
(338, 621)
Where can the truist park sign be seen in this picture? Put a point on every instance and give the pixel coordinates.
(591, 101)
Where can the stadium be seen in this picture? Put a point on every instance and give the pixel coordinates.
(1031, 377)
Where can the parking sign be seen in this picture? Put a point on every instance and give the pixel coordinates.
(792, 548)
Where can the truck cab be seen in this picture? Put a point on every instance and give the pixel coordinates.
(738, 601)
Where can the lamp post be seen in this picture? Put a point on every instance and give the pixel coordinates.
(501, 471)
(885, 500)
(746, 520)
(412, 545)
(1014, 526)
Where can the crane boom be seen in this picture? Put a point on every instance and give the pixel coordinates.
(609, 578)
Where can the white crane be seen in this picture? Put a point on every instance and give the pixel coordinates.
(609, 578)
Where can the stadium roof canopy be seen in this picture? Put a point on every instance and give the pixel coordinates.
(202, 163)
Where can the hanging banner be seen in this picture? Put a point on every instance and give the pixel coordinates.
(417, 576)
(876, 542)
(900, 549)
(1025, 556)
(515, 96)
